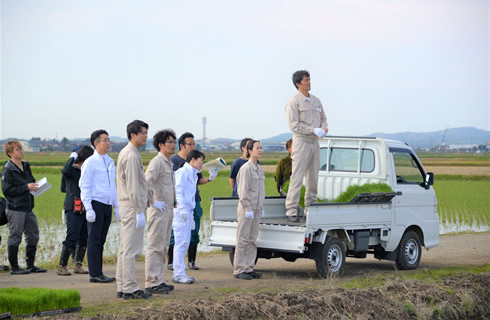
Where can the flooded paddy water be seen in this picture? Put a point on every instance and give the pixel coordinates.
(52, 236)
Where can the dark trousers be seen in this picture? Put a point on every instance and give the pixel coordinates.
(194, 233)
(76, 230)
(97, 234)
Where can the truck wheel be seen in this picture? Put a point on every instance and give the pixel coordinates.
(232, 256)
(332, 261)
(409, 251)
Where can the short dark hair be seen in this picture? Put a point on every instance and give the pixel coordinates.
(289, 143)
(135, 127)
(184, 136)
(195, 154)
(83, 153)
(244, 142)
(162, 136)
(250, 146)
(96, 135)
(298, 76)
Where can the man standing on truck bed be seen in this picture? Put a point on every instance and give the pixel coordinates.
(307, 121)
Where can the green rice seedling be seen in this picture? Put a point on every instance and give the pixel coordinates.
(25, 301)
(352, 191)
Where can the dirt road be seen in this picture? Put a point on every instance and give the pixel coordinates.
(216, 272)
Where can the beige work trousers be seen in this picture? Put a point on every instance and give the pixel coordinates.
(305, 161)
(158, 240)
(130, 247)
(246, 238)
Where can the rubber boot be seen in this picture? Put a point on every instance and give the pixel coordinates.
(64, 257)
(74, 255)
(79, 256)
(191, 256)
(170, 262)
(13, 252)
(30, 257)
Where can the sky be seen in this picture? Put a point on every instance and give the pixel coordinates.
(69, 67)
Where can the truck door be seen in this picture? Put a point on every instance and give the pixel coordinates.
(416, 205)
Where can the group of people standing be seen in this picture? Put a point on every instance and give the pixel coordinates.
(165, 197)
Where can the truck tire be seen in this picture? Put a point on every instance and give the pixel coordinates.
(409, 251)
(232, 256)
(332, 260)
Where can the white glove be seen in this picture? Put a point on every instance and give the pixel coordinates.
(213, 173)
(249, 215)
(159, 205)
(262, 214)
(140, 220)
(193, 225)
(319, 132)
(74, 155)
(63, 216)
(116, 214)
(90, 215)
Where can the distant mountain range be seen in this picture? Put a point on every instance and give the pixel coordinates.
(464, 135)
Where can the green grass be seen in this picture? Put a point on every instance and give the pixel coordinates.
(426, 274)
(25, 301)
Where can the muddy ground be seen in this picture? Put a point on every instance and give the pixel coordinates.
(293, 290)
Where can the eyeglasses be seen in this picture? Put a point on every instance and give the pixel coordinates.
(171, 141)
(19, 149)
(191, 144)
(105, 140)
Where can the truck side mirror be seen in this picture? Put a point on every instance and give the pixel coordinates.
(429, 180)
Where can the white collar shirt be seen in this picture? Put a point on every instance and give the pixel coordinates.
(98, 181)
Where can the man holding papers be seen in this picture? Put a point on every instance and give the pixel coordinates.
(17, 184)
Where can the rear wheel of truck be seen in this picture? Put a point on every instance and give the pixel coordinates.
(332, 260)
(232, 257)
(409, 252)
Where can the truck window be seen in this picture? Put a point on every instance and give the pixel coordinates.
(347, 159)
(407, 168)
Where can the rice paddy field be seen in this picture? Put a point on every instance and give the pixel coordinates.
(463, 199)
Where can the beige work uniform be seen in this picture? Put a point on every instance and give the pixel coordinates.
(161, 180)
(251, 194)
(134, 197)
(303, 116)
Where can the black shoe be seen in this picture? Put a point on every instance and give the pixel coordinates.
(157, 290)
(255, 275)
(4, 268)
(243, 276)
(119, 294)
(293, 219)
(100, 279)
(138, 294)
(192, 265)
(103, 276)
(18, 270)
(34, 269)
(169, 286)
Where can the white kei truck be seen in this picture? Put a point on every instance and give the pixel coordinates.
(392, 226)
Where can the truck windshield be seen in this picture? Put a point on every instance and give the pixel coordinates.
(407, 168)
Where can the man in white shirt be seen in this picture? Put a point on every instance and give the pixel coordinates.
(99, 197)
(134, 197)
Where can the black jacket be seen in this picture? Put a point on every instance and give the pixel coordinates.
(71, 176)
(14, 186)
